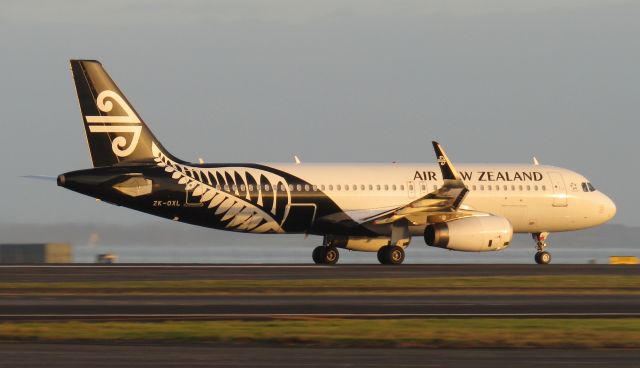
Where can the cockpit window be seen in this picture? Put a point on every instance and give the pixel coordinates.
(584, 187)
(587, 187)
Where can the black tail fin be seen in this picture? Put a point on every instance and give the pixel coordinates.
(115, 132)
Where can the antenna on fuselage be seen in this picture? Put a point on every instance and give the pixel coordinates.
(535, 161)
(297, 159)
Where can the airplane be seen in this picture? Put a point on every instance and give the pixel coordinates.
(375, 208)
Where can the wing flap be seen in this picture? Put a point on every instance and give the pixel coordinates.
(440, 205)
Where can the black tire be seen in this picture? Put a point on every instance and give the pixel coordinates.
(543, 258)
(391, 255)
(382, 258)
(331, 255)
(395, 255)
(318, 254)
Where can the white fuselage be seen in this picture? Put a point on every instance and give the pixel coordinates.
(534, 198)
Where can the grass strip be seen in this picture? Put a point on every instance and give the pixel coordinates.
(572, 284)
(423, 333)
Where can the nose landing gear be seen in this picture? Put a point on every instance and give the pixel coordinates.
(541, 257)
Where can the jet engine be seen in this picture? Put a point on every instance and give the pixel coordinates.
(470, 234)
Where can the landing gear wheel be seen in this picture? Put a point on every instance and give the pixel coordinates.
(391, 255)
(318, 254)
(543, 258)
(381, 254)
(330, 255)
(395, 255)
(325, 255)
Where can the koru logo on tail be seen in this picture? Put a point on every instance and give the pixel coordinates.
(128, 123)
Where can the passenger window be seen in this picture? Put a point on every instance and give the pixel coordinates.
(370, 187)
(298, 187)
(410, 187)
(378, 187)
(535, 187)
(315, 188)
(234, 188)
(322, 187)
(482, 187)
(401, 187)
(497, 187)
(393, 187)
(291, 187)
(306, 187)
(544, 188)
(251, 187)
(355, 187)
(424, 188)
(338, 187)
(346, 187)
(435, 187)
(521, 188)
(504, 187)
(528, 188)
(386, 187)
(474, 187)
(330, 187)
(362, 187)
(226, 187)
(513, 187)
(242, 187)
(488, 187)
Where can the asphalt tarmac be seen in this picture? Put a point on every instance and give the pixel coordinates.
(176, 306)
(172, 355)
(124, 272)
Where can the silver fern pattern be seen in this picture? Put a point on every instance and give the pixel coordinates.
(248, 199)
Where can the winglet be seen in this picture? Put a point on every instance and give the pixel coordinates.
(448, 171)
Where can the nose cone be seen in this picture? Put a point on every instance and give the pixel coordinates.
(607, 208)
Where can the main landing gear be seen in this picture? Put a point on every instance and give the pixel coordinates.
(391, 255)
(541, 257)
(326, 254)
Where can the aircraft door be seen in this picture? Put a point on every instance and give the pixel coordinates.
(191, 200)
(559, 190)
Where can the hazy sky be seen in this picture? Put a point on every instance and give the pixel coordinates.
(493, 81)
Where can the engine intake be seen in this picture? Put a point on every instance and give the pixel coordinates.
(470, 234)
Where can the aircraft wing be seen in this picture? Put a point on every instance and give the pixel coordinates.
(441, 205)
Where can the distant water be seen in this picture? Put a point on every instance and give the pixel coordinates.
(292, 251)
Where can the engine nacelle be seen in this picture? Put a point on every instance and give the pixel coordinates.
(470, 234)
(363, 244)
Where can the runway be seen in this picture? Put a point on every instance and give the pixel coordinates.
(176, 307)
(233, 303)
(159, 272)
(95, 298)
(177, 355)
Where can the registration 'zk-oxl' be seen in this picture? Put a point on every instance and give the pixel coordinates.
(361, 207)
